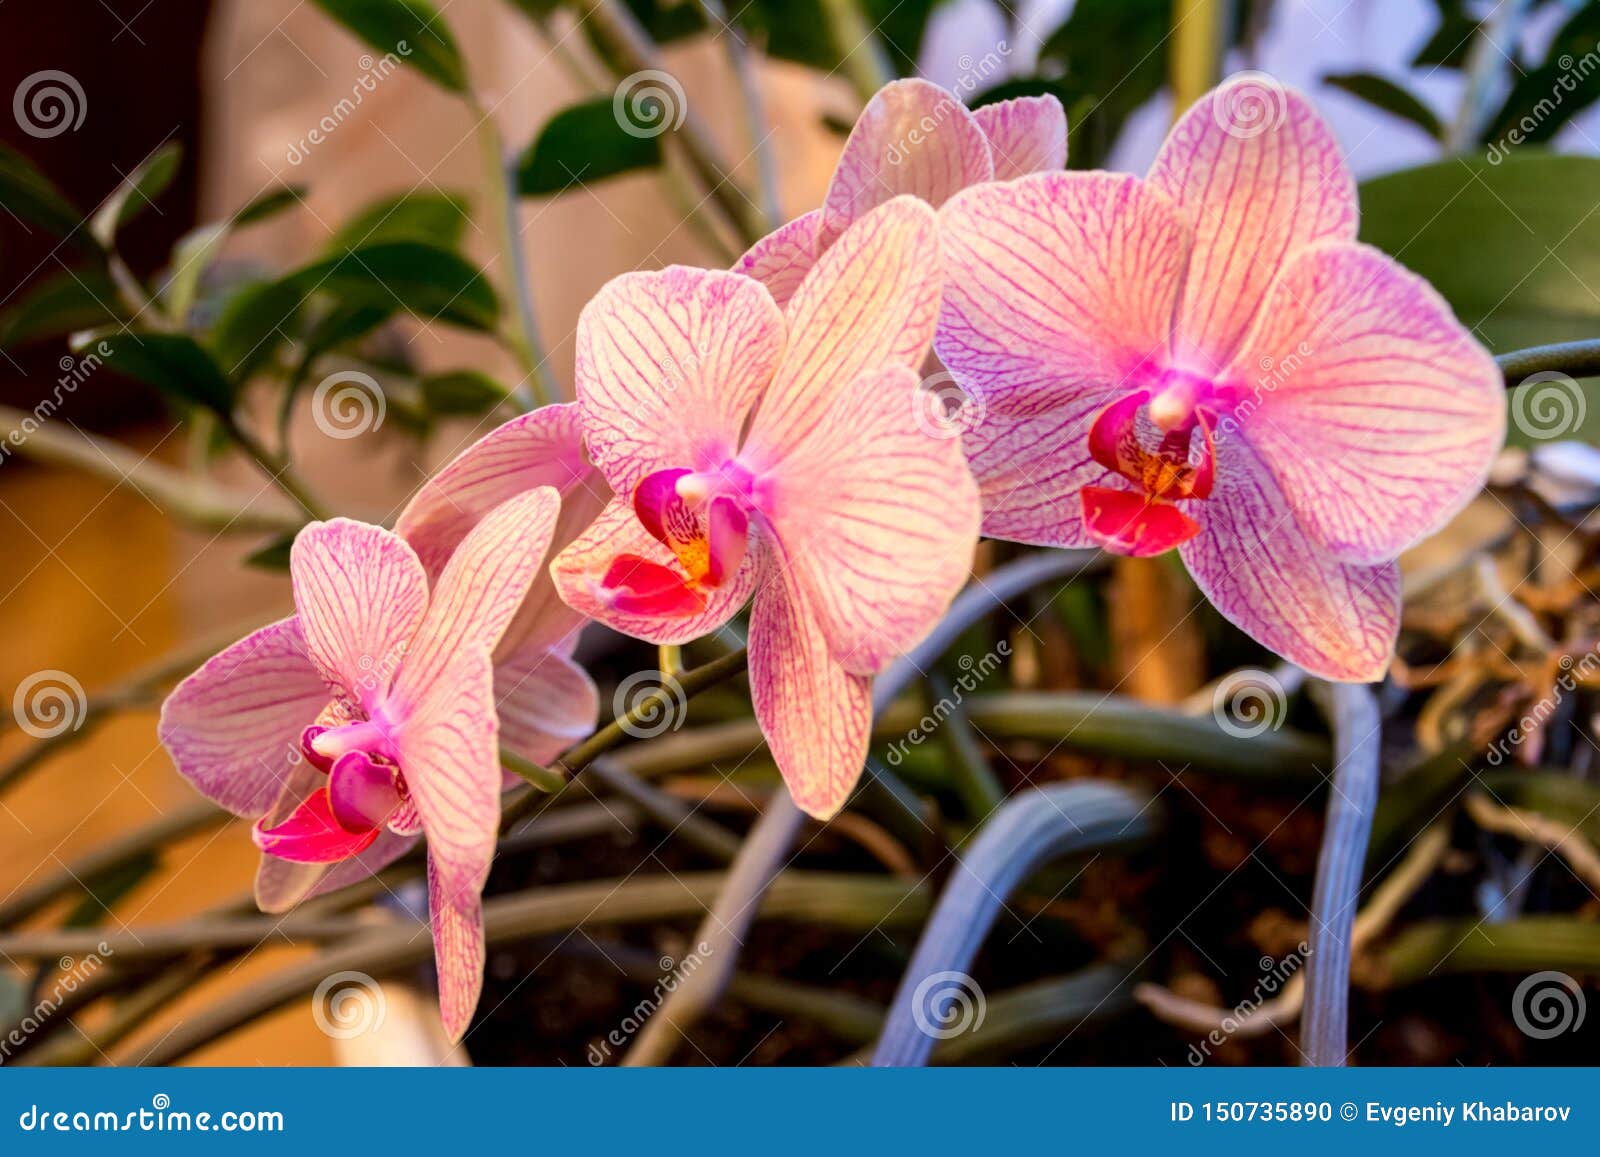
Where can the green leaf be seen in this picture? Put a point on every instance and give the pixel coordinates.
(1544, 99)
(60, 304)
(29, 195)
(461, 392)
(104, 889)
(425, 280)
(269, 204)
(435, 218)
(1488, 236)
(253, 323)
(172, 363)
(273, 556)
(411, 30)
(1385, 94)
(191, 256)
(1451, 40)
(1113, 56)
(582, 144)
(138, 192)
(798, 30)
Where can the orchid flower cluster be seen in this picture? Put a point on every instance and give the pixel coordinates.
(752, 436)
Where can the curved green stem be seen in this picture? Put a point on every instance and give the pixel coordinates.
(1576, 359)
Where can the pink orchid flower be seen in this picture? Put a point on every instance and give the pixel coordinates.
(369, 717)
(913, 139)
(1207, 359)
(775, 453)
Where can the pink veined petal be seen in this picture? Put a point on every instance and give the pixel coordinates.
(579, 572)
(1259, 175)
(312, 834)
(782, 258)
(1059, 290)
(913, 138)
(232, 727)
(817, 717)
(1379, 415)
(449, 754)
(456, 919)
(669, 365)
(1259, 568)
(487, 578)
(541, 448)
(1026, 135)
(544, 620)
(876, 518)
(871, 301)
(361, 594)
(546, 703)
(1030, 471)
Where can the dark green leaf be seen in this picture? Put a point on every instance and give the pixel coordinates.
(1483, 234)
(434, 218)
(1388, 96)
(461, 392)
(60, 304)
(582, 144)
(273, 556)
(172, 363)
(29, 195)
(190, 258)
(252, 325)
(268, 204)
(413, 31)
(426, 281)
(138, 191)
(1545, 98)
(1113, 57)
(798, 30)
(1450, 42)
(106, 888)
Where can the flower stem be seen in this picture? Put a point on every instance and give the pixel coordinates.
(276, 468)
(1576, 359)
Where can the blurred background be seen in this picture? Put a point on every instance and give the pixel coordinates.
(272, 99)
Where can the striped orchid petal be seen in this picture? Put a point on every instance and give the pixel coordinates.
(1383, 414)
(1027, 134)
(455, 918)
(913, 138)
(781, 259)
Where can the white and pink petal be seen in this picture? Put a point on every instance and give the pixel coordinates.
(1027, 134)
